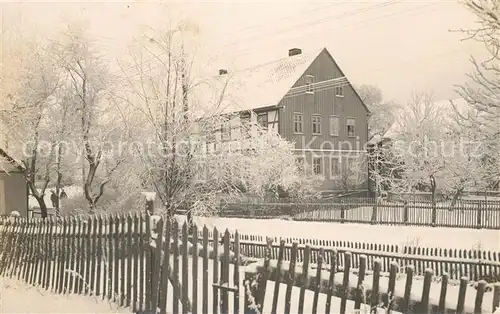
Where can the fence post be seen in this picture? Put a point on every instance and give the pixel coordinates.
(405, 212)
(156, 246)
(479, 216)
(150, 197)
(148, 258)
(342, 211)
(434, 213)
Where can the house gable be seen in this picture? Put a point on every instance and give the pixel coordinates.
(324, 102)
(333, 73)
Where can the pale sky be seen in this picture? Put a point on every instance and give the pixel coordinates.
(400, 46)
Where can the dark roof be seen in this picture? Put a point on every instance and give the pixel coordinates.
(259, 87)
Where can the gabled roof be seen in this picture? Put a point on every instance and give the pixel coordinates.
(261, 86)
(345, 76)
(7, 159)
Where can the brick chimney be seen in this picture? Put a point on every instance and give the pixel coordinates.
(222, 71)
(294, 51)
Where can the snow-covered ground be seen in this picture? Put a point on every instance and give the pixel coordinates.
(71, 191)
(18, 297)
(457, 238)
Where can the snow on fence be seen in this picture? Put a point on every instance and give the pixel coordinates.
(127, 259)
(463, 214)
(368, 291)
(472, 264)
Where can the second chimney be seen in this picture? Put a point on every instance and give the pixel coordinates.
(222, 71)
(294, 52)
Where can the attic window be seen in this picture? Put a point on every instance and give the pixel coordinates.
(339, 91)
(309, 84)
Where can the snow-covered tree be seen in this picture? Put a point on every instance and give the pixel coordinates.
(468, 165)
(415, 159)
(30, 84)
(382, 113)
(197, 152)
(482, 92)
(89, 87)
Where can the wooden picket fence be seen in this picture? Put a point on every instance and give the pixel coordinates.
(120, 257)
(149, 263)
(472, 264)
(464, 214)
(366, 291)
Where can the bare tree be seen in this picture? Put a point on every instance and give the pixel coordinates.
(62, 121)
(31, 82)
(469, 164)
(199, 151)
(89, 83)
(482, 92)
(414, 159)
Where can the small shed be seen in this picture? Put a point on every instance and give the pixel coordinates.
(13, 186)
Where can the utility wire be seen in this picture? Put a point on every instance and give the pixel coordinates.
(344, 28)
(256, 26)
(245, 52)
(320, 21)
(315, 22)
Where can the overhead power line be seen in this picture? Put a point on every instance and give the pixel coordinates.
(315, 22)
(256, 26)
(343, 28)
(350, 13)
(360, 25)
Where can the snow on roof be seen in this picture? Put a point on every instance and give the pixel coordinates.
(7, 162)
(259, 86)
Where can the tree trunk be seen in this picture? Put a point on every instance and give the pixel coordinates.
(58, 183)
(189, 219)
(455, 197)
(433, 198)
(43, 206)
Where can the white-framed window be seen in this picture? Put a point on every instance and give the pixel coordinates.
(335, 167)
(334, 125)
(317, 165)
(309, 84)
(351, 165)
(351, 127)
(316, 124)
(339, 91)
(298, 123)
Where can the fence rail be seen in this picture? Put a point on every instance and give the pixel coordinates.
(366, 292)
(472, 264)
(144, 262)
(463, 214)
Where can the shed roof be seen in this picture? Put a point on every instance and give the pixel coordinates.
(8, 163)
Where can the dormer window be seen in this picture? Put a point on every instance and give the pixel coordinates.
(309, 84)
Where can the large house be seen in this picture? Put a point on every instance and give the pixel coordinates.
(307, 99)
